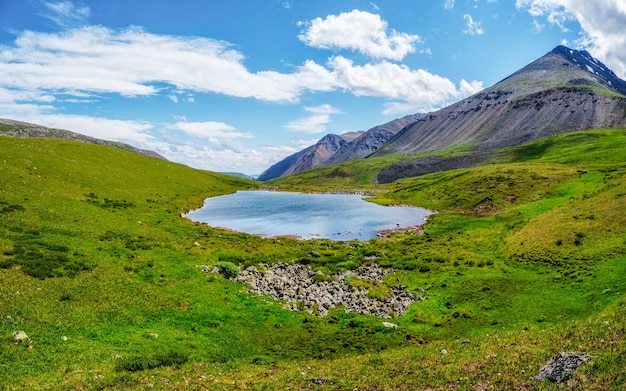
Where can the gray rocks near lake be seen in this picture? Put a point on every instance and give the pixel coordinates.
(301, 288)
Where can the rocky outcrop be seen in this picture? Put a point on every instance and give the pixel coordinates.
(301, 288)
(430, 164)
(562, 366)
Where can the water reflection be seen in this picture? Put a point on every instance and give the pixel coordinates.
(333, 216)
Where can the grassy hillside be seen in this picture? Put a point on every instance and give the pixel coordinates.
(526, 258)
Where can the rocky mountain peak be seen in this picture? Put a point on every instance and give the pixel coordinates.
(561, 67)
(583, 60)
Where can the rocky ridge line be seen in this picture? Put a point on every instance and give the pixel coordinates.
(298, 286)
(20, 129)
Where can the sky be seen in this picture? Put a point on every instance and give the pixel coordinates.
(238, 85)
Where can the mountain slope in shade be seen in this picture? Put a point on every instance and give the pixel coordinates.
(311, 157)
(564, 91)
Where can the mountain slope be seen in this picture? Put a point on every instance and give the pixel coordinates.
(370, 141)
(563, 91)
(556, 93)
(13, 128)
(311, 157)
(333, 149)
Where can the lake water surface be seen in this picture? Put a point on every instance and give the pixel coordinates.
(333, 216)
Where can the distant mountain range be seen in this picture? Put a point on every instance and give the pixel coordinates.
(564, 91)
(333, 149)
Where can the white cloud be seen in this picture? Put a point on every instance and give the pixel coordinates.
(130, 62)
(86, 62)
(64, 13)
(250, 161)
(420, 89)
(473, 27)
(448, 4)
(103, 128)
(360, 31)
(315, 123)
(208, 129)
(602, 21)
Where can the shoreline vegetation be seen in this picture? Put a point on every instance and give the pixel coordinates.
(100, 287)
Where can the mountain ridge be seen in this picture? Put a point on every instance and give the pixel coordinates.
(330, 150)
(25, 129)
(563, 91)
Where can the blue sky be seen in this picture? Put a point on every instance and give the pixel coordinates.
(239, 85)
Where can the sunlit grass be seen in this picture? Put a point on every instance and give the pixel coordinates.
(524, 259)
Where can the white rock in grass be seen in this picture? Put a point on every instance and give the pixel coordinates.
(20, 336)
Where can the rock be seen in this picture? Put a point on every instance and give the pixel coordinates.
(443, 352)
(20, 336)
(320, 381)
(390, 325)
(561, 367)
(295, 283)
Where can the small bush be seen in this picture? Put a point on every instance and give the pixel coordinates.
(263, 360)
(227, 269)
(347, 265)
(140, 363)
(322, 278)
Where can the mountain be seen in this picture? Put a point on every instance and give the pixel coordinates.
(13, 128)
(333, 149)
(370, 141)
(564, 91)
(311, 157)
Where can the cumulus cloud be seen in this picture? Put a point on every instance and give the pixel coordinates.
(418, 89)
(359, 31)
(602, 21)
(448, 4)
(473, 27)
(133, 63)
(315, 123)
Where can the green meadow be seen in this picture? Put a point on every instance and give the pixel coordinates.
(525, 258)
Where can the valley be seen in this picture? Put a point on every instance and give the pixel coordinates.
(104, 285)
(101, 272)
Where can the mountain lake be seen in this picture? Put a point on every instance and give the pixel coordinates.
(307, 216)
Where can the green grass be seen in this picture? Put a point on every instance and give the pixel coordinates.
(524, 259)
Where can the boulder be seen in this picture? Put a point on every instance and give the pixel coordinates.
(561, 367)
